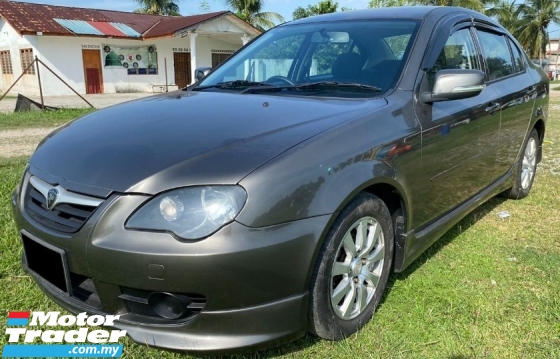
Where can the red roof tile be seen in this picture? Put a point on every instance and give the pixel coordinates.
(170, 25)
(29, 18)
(106, 28)
(139, 22)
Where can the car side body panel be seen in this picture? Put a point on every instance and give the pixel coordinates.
(500, 136)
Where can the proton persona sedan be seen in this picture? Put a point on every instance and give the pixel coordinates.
(275, 196)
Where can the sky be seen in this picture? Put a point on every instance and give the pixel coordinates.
(191, 7)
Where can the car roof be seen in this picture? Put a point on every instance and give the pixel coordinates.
(405, 12)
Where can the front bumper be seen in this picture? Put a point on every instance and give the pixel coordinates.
(255, 281)
(212, 332)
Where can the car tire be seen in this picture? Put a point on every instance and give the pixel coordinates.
(343, 297)
(526, 168)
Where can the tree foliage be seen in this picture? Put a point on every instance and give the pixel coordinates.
(528, 22)
(322, 7)
(205, 6)
(158, 7)
(390, 3)
(507, 14)
(535, 17)
(478, 5)
(252, 12)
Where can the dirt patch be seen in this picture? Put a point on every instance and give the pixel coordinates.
(15, 143)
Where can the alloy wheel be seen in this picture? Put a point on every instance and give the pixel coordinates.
(357, 268)
(529, 163)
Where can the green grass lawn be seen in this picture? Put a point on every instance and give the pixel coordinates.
(29, 119)
(490, 288)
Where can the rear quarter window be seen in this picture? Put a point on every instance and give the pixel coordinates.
(517, 58)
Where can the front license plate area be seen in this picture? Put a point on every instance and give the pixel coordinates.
(46, 261)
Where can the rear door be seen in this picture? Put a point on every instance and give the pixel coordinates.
(508, 77)
(459, 137)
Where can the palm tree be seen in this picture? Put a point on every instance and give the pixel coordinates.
(477, 5)
(158, 7)
(251, 12)
(507, 14)
(536, 16)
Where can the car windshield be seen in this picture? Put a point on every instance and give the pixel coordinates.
(341, 59)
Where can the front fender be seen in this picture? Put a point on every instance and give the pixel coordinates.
(321, 175)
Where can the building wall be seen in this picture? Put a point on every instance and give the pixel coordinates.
(205, 46)
(12, 41)
(552, 56)
(63, 54)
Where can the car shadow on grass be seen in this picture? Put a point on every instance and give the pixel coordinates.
(462, 226)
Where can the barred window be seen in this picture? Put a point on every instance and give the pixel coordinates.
(6, 62)
(26, 59)
(217, 59)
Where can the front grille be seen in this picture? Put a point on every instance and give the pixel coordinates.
(65, 217)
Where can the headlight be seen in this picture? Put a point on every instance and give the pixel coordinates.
(19, 186)
(190, 213)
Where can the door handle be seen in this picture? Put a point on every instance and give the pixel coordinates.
(492, 107)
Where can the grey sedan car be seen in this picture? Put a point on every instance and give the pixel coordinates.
(277, 195)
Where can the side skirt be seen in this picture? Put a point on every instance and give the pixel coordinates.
(412, 244)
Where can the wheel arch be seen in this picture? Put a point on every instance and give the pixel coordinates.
(390, 195)
(540, 127)
(391, 192)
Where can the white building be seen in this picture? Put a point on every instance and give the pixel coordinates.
(102, 51)
(552, 52)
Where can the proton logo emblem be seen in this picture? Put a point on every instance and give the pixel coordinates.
(52, 196)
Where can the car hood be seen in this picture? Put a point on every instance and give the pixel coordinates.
(184, 138)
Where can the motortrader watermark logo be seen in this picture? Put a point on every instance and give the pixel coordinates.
(27, 327)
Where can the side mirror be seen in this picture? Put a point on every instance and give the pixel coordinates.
(200, 72)
(455, 85)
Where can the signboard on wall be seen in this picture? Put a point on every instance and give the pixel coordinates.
(138, 60)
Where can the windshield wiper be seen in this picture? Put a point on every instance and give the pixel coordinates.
(232, 84)
(349, 85)
(316, 85)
